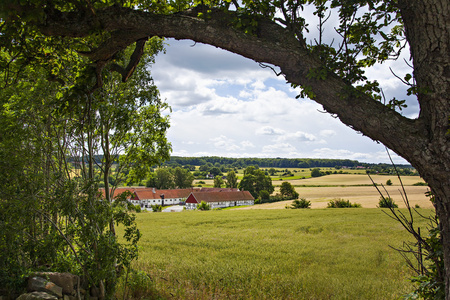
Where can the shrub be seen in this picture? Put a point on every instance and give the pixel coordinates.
(203, 206)
(389, 182)
(342, 203)
(386, 203)
(316, 172)
(300, 203)
(156, 208)
(420, 184)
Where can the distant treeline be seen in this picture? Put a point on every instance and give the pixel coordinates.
(262, 162)
(271, 162)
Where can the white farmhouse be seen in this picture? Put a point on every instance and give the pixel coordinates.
(148, 197)
(220, 199)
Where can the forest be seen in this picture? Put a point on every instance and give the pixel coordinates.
(273, 162)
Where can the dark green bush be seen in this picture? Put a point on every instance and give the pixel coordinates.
(203, 206)
(387, 203)
(300, 203)
(316, 172)
(342, 203)
(156, 208)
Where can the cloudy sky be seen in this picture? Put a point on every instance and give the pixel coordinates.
(227, 105)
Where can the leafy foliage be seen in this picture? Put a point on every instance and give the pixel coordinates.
(218, 181)
(156, 208)
(342, 203)
(203, 206)
(231, 180)
(300, 203)
(387, 202)
(316, 172)
(255, 181)
(52, 212)
(288, 191)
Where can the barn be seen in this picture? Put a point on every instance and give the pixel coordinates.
(220, 199)
(148, 197)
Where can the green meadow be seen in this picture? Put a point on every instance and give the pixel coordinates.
(274, 254)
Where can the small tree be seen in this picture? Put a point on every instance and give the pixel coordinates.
(183, 178)
(316, 172)
(218, 181)
(389, 182)
(232, 179)
(287, 190)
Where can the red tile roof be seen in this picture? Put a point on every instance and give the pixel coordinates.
(149, 193)
(203, 189)
(197, 197)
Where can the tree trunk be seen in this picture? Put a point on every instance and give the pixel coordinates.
(427, 24)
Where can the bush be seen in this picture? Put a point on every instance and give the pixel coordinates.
(342, 203)
(156, 208)
(386, 203)
(203, 206)
(300, 203)
(389, 182)
(316, 172)
(420, 184)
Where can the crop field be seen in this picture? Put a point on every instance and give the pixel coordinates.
(274, 254)
(367, 196)
(350, 179)
(357, 188)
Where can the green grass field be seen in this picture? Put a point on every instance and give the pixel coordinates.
(274, 254)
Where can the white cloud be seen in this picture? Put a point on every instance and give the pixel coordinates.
(298, 136)
(228, 144)
(269, 130)
(279, 148)
(327, 133)
(247, 144)
(226, 105)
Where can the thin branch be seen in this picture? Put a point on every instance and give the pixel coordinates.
(401, 79)
(264, 66)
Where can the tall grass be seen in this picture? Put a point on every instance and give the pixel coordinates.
(274, 254)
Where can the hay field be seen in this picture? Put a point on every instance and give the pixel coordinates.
(355, 188)
(367, 196)
(351, 179)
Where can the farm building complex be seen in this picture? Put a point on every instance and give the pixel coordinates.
(220, 199)
(215, 197)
